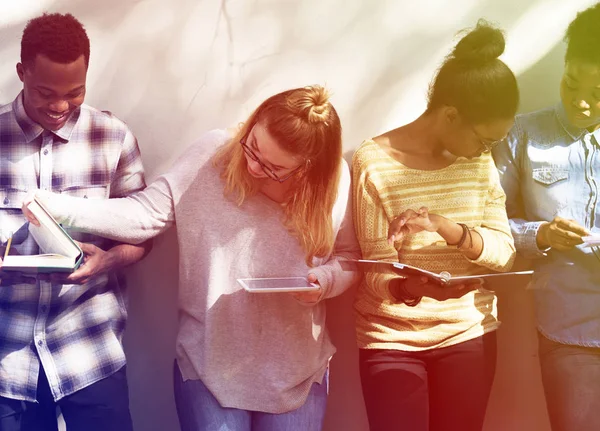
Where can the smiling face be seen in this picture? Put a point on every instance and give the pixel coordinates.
(52, 91)
(580, 94)
(265, 157)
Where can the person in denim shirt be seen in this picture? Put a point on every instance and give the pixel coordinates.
(550, 170)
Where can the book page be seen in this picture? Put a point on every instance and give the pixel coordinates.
(494, 274)
(463, 278)
(395, 268)
(404, 270)
(50, 237)
(37, 261)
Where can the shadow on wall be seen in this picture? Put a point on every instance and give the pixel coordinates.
(175, 71)
(153, 323)
(539, 85)
(150, 336)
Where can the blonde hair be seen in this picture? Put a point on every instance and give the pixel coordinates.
(305, 123)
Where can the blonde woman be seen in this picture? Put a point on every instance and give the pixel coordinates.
(271, 199)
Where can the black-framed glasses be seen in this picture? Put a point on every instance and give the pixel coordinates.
(487, 146)
(264, 167)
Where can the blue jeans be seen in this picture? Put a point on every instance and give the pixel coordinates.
(199, 410)
(102, 406)
(571, 377)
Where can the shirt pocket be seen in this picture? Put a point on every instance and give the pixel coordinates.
(549, 176)
(552, 190)
(11, 216)
(86, 191)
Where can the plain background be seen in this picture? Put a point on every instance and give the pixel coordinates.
(175, 69)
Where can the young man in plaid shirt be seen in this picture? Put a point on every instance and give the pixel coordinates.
(60, 339)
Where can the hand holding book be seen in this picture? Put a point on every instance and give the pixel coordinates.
(27, 212)
(61, 253)
(411, 289)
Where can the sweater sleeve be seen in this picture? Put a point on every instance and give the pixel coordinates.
(371, 224)
(133, 219)
(498, 252)
(332, 278)
(139, 216)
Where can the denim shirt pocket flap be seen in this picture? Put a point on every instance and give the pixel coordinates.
(549, 176)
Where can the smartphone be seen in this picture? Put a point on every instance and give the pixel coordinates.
(282, 284)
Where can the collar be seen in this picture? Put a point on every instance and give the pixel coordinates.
(561, 114)
(32, 130)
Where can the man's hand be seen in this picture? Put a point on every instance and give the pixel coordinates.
(95, 261)
(423, 286)
(310, 297)
(28, 214)
(411, 221)
(560, 234)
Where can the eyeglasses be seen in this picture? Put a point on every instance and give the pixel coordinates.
(264, 167)
(487, 146)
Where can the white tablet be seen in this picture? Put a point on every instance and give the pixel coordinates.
(283, 284)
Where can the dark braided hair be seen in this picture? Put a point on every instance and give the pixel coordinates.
(59, 37)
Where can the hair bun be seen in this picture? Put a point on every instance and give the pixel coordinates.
(312, 101)
(481, 45)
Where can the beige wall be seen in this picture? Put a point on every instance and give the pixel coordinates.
(174, 69)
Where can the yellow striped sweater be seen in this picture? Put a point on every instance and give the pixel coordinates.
(467, 191)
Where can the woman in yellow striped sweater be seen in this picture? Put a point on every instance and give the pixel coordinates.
(427, 353)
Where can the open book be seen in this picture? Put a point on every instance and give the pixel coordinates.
(61, 253)
(404, 270)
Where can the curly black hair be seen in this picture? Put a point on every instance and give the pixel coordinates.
(59, 37)
(583, 36)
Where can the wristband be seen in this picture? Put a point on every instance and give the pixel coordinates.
(466, 232)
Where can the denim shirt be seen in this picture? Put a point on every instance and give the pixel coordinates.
(550, 168)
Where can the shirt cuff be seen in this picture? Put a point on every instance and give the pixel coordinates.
(526, 240)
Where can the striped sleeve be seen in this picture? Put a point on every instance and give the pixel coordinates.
(371, 224)
(498, 251)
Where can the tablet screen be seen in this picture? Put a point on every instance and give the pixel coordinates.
(283, 284)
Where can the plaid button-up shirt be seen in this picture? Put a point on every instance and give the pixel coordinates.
(73, 331)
